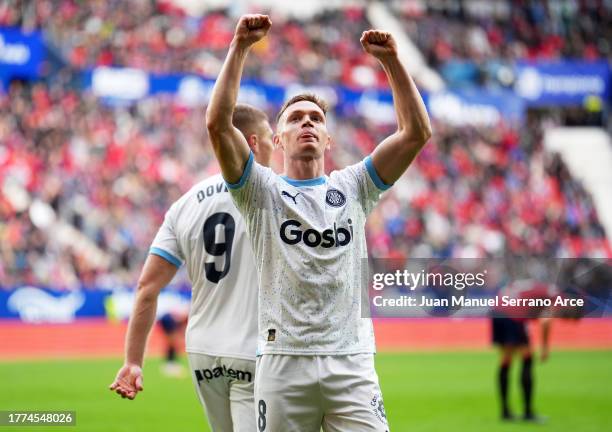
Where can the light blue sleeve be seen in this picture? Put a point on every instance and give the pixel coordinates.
(165, 244)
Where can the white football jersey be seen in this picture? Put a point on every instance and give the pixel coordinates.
(308, 237)
(204, 230)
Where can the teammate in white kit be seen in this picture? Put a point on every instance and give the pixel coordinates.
(315, 366)
(204, 230)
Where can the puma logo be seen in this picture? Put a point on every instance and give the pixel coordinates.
(293, 197)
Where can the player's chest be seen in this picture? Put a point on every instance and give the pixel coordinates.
(317, 206)
(324, 218)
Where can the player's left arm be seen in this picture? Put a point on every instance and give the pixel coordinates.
(395, 153)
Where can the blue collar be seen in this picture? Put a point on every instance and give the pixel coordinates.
(308, 182)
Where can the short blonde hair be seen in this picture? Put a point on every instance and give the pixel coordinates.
(246, 118)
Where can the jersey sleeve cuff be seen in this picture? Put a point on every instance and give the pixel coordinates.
(245, 174)
(166, 255)
(374, 175)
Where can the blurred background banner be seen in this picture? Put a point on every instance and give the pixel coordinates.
(477, 107)
(562, 82)
(35, 305)
(21, 54)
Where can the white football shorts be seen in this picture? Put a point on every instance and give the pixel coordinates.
(225, 388)
(338, 393)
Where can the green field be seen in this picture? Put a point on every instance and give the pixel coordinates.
(422, 391)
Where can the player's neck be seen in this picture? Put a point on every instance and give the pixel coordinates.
(304, 169)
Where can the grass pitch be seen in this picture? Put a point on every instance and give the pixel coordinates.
(422, 391)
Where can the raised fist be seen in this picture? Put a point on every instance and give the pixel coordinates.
(378, 43)
(251, 28)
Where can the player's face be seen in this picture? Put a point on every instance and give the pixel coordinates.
(302, 131)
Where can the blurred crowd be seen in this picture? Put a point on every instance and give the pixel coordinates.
(153, 36)
(108, 173)
(477, 193)
(474, 41)
(84, 185)
(512, 30)
(467, 41)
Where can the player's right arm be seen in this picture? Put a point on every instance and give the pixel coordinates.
(156, 274)
(228, 143)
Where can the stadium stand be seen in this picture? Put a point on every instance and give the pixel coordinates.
(473, 42)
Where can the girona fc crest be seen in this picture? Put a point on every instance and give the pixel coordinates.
(335, 198)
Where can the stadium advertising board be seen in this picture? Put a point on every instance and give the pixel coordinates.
(476, 107)
(562, 83)
(118, 85)
(36, 305)
(537, 84)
